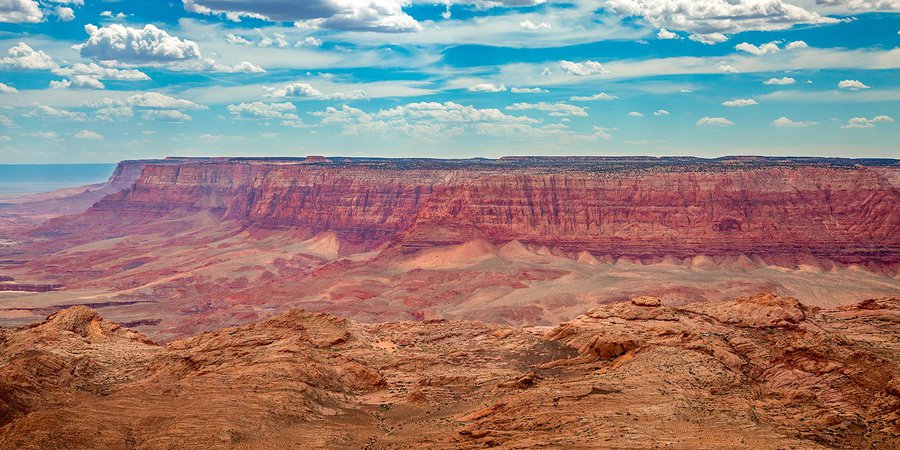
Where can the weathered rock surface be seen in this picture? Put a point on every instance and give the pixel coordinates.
(692, 376)
(783, 209)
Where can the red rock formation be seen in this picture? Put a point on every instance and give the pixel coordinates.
(783, 210)
(627, 375)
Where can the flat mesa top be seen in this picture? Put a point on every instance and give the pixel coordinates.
(562, 163)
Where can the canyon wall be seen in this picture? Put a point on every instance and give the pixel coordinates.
(840, 210)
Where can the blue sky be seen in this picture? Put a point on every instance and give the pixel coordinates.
(101, 81)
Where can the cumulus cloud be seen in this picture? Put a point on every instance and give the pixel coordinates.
(708, 38)
(709, 17)
(532, 90)
(49, 111)
(740, 102)
(636, 114)
(168, 115)
(600, 97)
(559, 109)
(852, 85)
(22, 56)
(301, 89)
(386, 16)
(529, 25)
(784, 122)
(150, 46)
(583, 68)
(101, 73)
(780, 81)
(661, 112)
(135, 45)
(7, 89)
(487, 87)
(863, 5)
(77, 81)
(5, 121)
(87, 134)
(431, 120)
(112, 15)
(666, 34)
(65, 14)
(764, 49)
(714, 122)
(796, 45)
(724, 67)
(283, 111)
(20, 11)
(260, 39)
(109, 109)
(862, 122)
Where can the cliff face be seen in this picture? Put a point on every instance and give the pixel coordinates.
(839, 212)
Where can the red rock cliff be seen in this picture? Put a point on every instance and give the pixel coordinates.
(620, 207)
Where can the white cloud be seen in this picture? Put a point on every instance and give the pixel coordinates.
(49, 111)
(666, 34)
(113, 15)
(101, 73)
(451, 112)
(555, 109)
(796, 45)
(87, 134)
(112, 112)
(308, 41)
(120, 45)
(740, 102)
(7, 89)
(487, 87)
(77, 81)
(863, 5)
(852, 84)
(298, 89)
(531, 90)
(724, 67)
(661, 112)
(764, 49)
(65, 14)
(780, 81)
(862, 122)
(636, 114)
(708, 38)
(784, 122)
(431, 120)
(602, 96)
(50, 135)
(714, 122)
(4, 121)
(264, 110)
(150, 44)
(529, 25)
(278, 40)
(301, 89)
(717, 16)
(385, 16)
(20, 11)
(21, 56)
(152, 100)
(583, 68)
(169, 115)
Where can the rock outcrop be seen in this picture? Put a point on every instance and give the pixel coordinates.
(629, 374)
(781, 209)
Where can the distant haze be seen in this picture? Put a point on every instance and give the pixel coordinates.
(18, 179)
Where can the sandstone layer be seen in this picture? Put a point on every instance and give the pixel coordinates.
(785, 210)
(758, 372)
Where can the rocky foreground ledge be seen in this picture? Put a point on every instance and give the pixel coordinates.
(756, 372)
